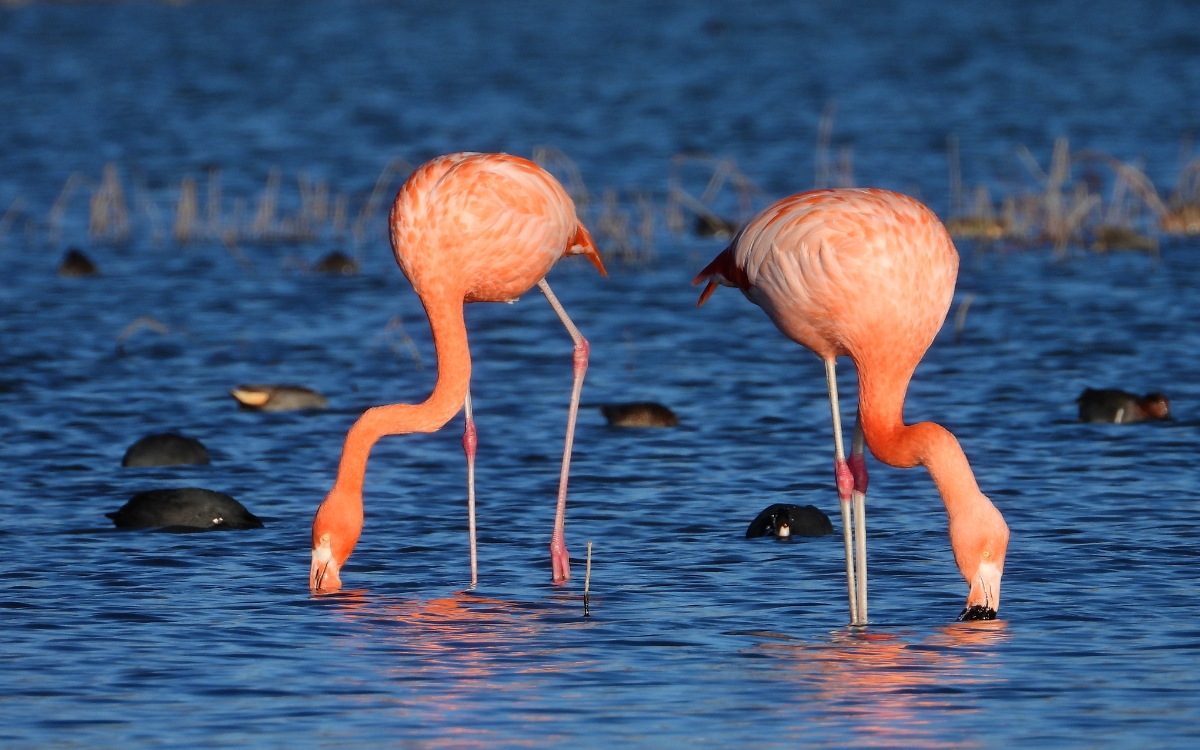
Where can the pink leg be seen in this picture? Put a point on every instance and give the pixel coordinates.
(857, 465)
(470, 441)
(559, 558)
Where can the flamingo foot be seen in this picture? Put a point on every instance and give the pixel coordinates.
(559, 559)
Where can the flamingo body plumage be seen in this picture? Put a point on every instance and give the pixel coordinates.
(465, 227)
(870, 274)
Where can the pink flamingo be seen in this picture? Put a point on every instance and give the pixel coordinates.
(869, 274)
(465, 228)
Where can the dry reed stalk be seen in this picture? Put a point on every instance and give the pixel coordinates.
(14, 209)
(338, 222)
(143, 203)
(109, 213)
(824, 135)
(1183, 217)
(554, 160)
(960, 317)
(308, 222)
(1187, 186)
(233, 232)
(144, 321)
(213, 204)
(646, 227)
(394, 335)
(376, 199)
(956, 191)
(263, 229)
(614, 225)
(724, 171)
(845, 173)
(186, 211)
(59, 209)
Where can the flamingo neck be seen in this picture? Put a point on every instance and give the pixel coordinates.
(974, 520)
(454, 377)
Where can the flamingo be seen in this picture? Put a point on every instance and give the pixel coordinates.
(465, 227)
(869, 274)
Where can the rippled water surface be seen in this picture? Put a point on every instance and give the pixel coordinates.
(696, 635)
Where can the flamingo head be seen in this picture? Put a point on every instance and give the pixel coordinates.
(335, 532)
(980, 544)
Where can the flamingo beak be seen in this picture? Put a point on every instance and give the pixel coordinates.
(323, 576)
(984, 599)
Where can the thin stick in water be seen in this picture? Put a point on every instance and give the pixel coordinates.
(587, 581)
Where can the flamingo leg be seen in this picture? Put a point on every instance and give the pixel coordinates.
(470, 441)
(559, 558)
(858, 468)
(845, 485)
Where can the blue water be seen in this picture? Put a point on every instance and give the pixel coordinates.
(696, 635)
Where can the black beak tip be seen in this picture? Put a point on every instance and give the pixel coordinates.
(977, 612)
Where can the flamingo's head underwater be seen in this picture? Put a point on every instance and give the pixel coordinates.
(335, 532)
(980, 544)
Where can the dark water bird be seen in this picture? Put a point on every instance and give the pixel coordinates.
(783, 520)
(185, 508)
(336, 263)
(1108, 237)
(75, 263)
(278, 397)
(708, 225)
(641, 414)
(165, 449)
(1120, 407)
(870, 274)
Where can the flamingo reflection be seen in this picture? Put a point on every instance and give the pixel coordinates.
(888, 688)
(463, 640)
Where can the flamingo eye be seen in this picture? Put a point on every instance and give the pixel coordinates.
(986, 554)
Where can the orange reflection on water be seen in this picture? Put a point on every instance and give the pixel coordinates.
(454, 649)
(890, 690)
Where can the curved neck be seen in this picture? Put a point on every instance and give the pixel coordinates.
(881, 404)
(454, 378)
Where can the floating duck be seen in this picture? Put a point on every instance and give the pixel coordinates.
(278, 397)
(166, 449)
(1119, 407)
(783, 520)
(336, 263)
(184, 509)
(1108, 237)
(75, 263)
(641, 414)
